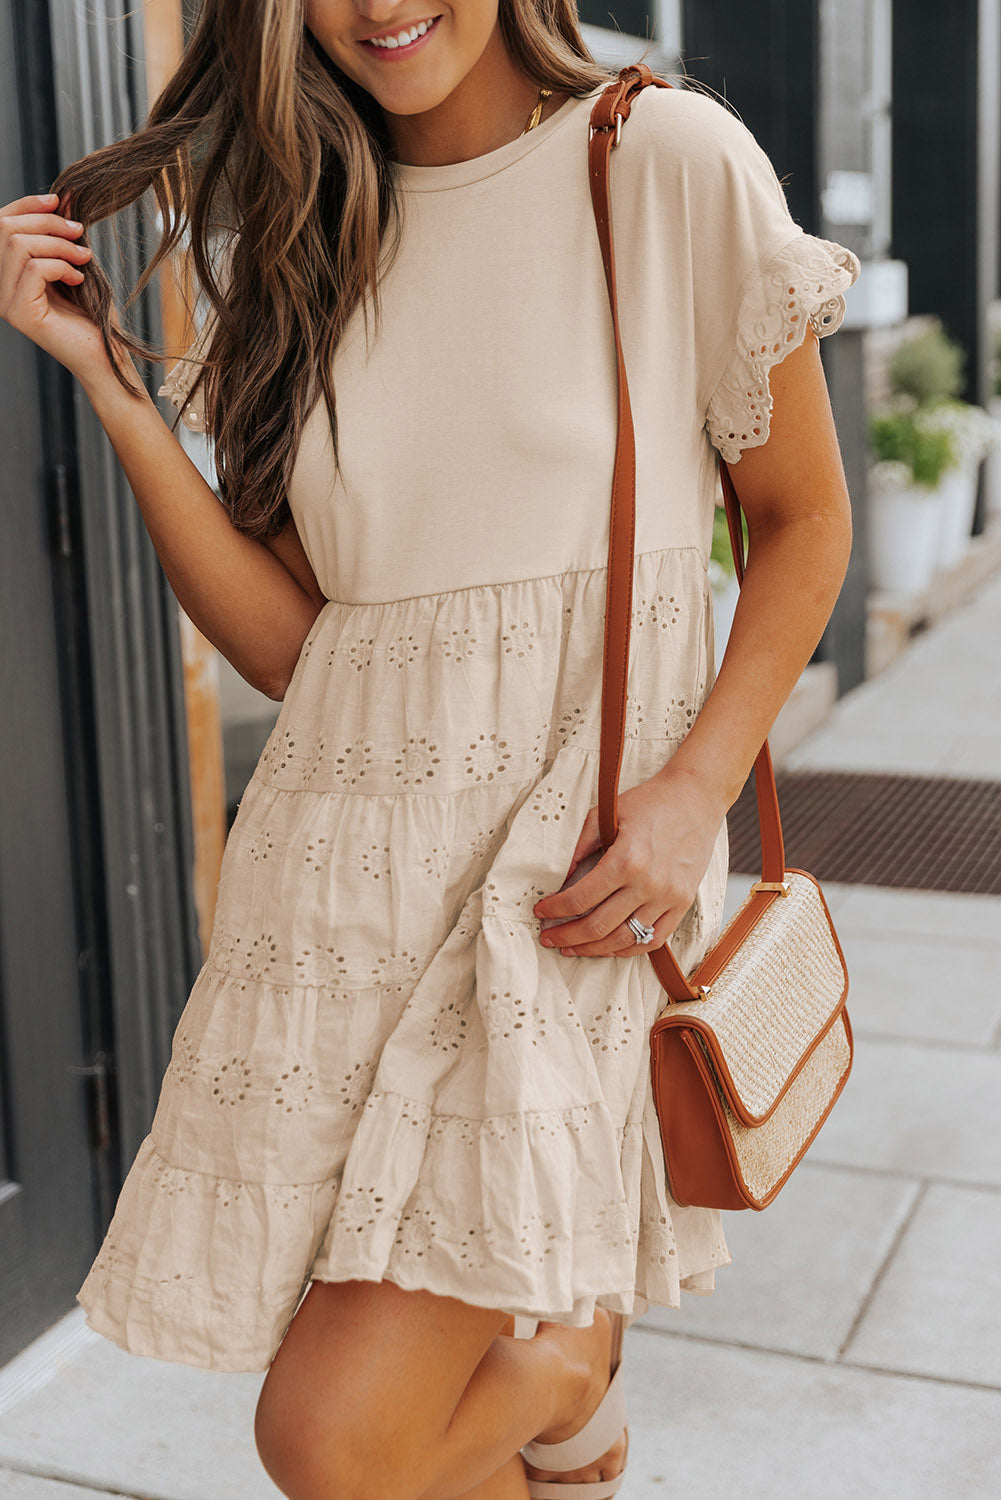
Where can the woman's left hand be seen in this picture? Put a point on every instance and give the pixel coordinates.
(667, 828)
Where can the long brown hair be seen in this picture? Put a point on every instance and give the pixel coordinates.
(261, 148)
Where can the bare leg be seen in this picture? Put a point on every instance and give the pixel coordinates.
(508, 1483)
(381, 1394)
(609, 1464)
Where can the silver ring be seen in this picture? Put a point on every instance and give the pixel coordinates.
(642, 934)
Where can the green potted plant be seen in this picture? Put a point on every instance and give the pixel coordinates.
(928, 447)
(973, 435)
(905, 501)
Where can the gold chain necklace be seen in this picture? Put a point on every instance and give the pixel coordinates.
(536, 114)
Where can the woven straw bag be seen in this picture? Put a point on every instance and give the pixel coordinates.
(755, 1046)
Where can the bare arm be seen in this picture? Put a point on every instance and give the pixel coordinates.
(799, 520)
(793, 492)
(256, 602)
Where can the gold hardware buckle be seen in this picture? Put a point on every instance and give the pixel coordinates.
(592, 130)
(782, 886)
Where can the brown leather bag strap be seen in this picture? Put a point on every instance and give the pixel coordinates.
(610, 111)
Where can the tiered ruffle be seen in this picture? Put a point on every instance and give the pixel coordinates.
(380, 1073)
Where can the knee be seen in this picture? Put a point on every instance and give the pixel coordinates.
(311, 1452)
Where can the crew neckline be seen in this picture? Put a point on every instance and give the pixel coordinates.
(461, 173)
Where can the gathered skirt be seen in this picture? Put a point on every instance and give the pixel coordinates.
(380, 1073)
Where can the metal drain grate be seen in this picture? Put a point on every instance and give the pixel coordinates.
(924, 832)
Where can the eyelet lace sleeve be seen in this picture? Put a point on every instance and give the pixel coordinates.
(177, 386)
(803, 283)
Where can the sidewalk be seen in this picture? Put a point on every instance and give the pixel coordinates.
(853, 1349)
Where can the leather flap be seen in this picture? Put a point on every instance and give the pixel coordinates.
(771, 1003)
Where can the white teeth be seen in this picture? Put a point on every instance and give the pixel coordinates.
(403, 38)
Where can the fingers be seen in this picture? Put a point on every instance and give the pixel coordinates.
(620, 941)
(598, 927)
(36, 249)
(29, 202)
(29, 246)
(35, 214)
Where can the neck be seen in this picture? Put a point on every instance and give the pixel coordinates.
(487, 109)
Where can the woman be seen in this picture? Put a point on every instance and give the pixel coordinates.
(395, 1087)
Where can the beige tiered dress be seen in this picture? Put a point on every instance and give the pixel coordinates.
(380, 1073)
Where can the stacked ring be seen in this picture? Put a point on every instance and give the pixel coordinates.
(640, 933)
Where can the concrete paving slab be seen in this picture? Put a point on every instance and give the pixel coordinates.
(918, 1110)
(709, 1420)
(801, 1270)
(907, 707)
(19, 1486)
(978, 757)
(937, 1309)
(923, 989)
(140, 1427)
(905, 913)
(968, 660)
(870, 748)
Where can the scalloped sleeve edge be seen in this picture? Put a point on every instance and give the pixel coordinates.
(802, 284)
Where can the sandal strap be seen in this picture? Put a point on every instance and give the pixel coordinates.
(601, 1489)
(595, 1437)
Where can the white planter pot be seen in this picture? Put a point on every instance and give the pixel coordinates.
(992, 472)
(724, 607)
(959, 502)
(904, 527)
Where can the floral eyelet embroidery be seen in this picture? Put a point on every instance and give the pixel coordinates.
(397, 971)
(436, 862)
(486, 758)
(416, 762)
(311, 763)
(609, 1031)
(293, 1089)
(231, 1082)
(375, 861)
(504, 1013)
(549, 804)
(355, 1085)
(448, 1030)
(570, 724)
(659, 611)
(317, 856)
(350, 764)
(323, 966)
(680, 718)
(459, 645)
(358, 653)
(261, 846)
(279, 751)
(519, 639)
(403, 652)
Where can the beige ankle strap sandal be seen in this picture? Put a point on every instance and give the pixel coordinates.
(585, 1447)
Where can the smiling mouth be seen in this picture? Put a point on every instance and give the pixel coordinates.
(404, 41)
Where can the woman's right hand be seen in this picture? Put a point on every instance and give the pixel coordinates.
(38, 250)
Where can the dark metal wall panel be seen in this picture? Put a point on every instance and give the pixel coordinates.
(764, 60)
(768, 63)
(47, 1222)
(136, 674)
(935, 119)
